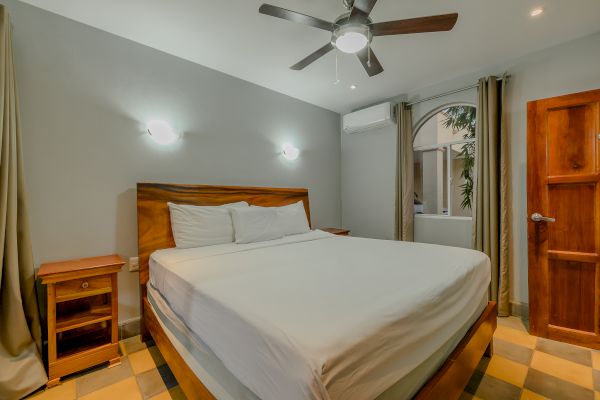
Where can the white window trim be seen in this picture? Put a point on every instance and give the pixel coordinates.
(449, 176)
(439, 145)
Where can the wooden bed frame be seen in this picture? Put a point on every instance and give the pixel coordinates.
(154, 233)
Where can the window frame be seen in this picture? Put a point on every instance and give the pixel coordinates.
(447, 146)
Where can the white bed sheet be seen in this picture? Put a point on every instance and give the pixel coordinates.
(317, 316)
(225, 386)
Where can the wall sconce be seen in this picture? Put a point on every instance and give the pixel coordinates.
(290, 152)
(161, 132)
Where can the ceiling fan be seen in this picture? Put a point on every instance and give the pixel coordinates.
(353, 31)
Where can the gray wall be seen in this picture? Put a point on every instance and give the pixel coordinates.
(567, 68)
(85, 96)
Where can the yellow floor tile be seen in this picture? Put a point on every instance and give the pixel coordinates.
(563, 369)
(131, 345)
(512, 322)
(126, 389)
(163, 396)
(141, 361)
(515, 336)
(529, 395)
(507, 370)
(596, 359)
(65, 391)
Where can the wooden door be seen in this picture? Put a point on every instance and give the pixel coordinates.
(563, 208)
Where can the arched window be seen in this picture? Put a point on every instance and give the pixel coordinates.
(444, 154)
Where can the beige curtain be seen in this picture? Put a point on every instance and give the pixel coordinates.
(21, 368)
(405, 175)
(491, 202)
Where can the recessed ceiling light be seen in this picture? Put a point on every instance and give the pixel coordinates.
(352, 87)
(536, 11)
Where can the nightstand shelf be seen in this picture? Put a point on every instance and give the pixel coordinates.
(337, 231)
(82, 314)
(77, 342)
(92, 315)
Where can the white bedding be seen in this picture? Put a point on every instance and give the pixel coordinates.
(317, 316)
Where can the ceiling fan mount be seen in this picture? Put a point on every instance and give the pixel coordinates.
(348, 4)
(352, 32)
(345, 19)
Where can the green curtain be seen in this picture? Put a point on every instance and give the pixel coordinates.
(405, 192)
(21, 367)
(492, 188)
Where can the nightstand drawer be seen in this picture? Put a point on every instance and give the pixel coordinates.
(84, 287)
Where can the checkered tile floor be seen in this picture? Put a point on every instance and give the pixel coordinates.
(523, 367)
(143, 374)
(530, 368)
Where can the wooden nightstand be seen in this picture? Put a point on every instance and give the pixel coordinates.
(82, 314)
(337, 231)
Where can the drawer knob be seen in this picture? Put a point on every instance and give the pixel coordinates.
(85, 285)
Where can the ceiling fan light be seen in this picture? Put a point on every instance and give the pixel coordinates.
(351, 39)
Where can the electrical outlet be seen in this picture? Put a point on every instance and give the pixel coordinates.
(134, 264)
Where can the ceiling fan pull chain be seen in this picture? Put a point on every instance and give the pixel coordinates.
(337, 78)
(369, 55)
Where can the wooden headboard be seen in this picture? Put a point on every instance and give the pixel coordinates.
(154, 222)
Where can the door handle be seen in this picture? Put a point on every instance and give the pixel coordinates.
(537, 217)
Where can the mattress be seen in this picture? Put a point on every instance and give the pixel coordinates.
(318, 316)
(225, 386)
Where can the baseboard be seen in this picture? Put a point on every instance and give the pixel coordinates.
(129, 328)
(520, 310)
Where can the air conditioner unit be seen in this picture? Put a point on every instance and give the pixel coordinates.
(367, 119)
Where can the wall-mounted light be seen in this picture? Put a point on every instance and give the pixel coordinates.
(290, 152)
(161, 132)
(537, 11)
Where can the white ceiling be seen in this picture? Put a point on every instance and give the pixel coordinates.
(232, 37)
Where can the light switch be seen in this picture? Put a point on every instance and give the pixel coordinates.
(134, 264)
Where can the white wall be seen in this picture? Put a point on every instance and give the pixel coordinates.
(567, 68)
(85, 96)
(369, 182)
(444, 230)
(369, 172)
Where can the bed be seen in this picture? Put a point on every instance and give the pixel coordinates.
(309, 316)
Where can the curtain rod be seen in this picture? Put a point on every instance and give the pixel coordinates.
(437, 96)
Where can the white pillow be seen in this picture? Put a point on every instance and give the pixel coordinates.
(255, 224)
(292, 219)
(198, 226)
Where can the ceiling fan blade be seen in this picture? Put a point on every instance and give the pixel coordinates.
(312, 57)
(294, 16)
(434, 23)
(374, 67)
(363, 7)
